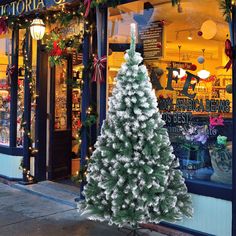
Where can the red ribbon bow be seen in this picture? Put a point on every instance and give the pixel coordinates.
(87, 4)
(216, 121)
(3, 25)
(229, 53)
(10, 71)
(56, 51)
(99, 65)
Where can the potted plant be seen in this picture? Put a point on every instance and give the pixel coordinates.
(195, 153)
(221, 160)
(75, 164)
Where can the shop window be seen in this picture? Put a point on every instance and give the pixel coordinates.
(184, 53)
(5, 86)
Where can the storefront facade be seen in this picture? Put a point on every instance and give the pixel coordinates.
(45, 120)
(53, 109)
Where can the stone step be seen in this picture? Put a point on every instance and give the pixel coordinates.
(60, 193)
(74, 190)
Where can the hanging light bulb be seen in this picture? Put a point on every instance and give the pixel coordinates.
(37, 29)
(203, 74)
(190, 37)
(181, 73)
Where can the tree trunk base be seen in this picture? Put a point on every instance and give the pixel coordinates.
(133, 232)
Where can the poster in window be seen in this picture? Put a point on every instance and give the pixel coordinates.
(151, 36)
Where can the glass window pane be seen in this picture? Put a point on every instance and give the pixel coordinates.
(20, 102)
(184, 52)
(61, 96)
(5, 86)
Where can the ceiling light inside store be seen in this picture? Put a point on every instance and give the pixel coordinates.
(190, 37)
(37, 29)
(203, 74)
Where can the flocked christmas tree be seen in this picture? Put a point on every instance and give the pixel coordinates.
(132, 176)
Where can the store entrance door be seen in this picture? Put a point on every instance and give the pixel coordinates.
(59, 122)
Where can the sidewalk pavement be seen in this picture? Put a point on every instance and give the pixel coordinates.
(47, 209)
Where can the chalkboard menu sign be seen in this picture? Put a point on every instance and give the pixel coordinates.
(151, 36)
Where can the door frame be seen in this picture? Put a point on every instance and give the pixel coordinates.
(51, 114)
(41, 112)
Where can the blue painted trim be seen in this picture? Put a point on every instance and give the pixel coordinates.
(9, 178)
(11, 151)
(234, 124)
(103, 86)
(85, 105)
(85, 99)
(41, 113)
(210, 189)
(27, 106)
(184, 229)
(14, 88)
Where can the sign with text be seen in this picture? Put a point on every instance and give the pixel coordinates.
(196, 105)
(74, 28)
(152, 38)
(15, 8)
(183, 65)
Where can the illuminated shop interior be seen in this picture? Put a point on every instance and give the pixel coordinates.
(193, 41)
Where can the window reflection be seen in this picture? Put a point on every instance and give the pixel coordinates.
(184, 53)
(5, 86)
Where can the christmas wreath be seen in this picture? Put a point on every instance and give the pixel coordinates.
(56, 47)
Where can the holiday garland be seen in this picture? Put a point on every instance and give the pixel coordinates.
(57, 48)
(27, 133)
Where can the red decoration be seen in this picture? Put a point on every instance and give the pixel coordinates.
(99, 65)
(162, 23)
(56, 51)
(199, 33)
(3, 86)
(183, 78)
(216, 121)
(3, 25)
(210, 79)
(8, 98)
(87, 4)
(9, 72)
(158, 45)
(193, 67)
(79, 124)
(229, 53)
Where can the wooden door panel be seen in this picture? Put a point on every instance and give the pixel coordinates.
(60, 137)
